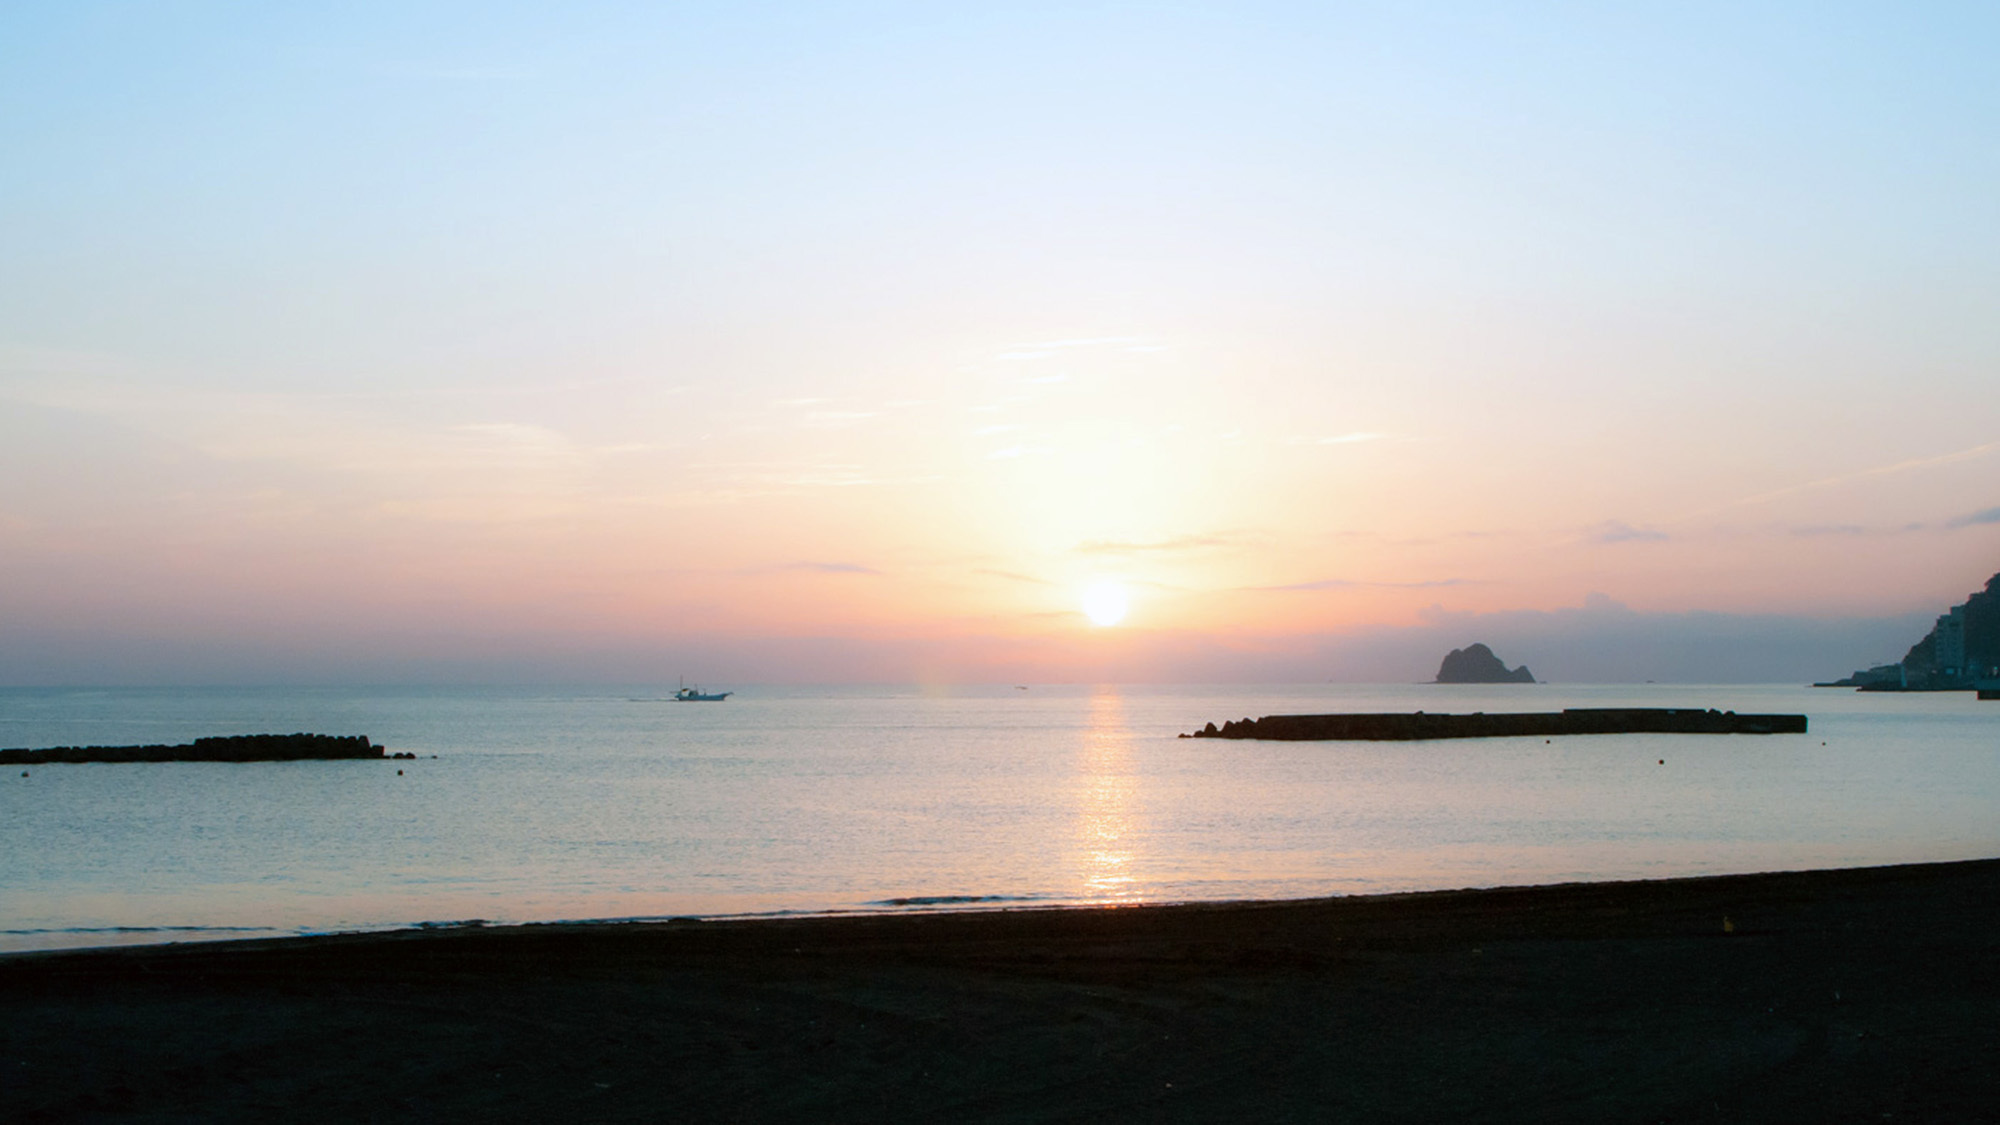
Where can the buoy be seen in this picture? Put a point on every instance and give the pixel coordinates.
(399, 773)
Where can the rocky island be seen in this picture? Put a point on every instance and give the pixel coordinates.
(1476, 664)
(230, 748)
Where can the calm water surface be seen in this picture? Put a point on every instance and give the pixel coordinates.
(544, 805)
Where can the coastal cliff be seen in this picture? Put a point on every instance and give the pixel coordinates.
(1961, 650)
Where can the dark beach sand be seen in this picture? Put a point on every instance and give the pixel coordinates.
(1864, 995)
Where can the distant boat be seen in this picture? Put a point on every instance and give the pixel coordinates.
(696, 695)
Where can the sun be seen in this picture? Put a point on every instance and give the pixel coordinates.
(1105, 603)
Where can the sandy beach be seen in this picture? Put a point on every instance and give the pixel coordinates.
(1857, 995)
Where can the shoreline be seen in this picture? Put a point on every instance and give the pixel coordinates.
(943, 906)
(273, 940)
(1826, 995)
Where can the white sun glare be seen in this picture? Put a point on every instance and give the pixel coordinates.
(1105, 603)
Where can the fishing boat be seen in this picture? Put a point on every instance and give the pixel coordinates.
(695, 695)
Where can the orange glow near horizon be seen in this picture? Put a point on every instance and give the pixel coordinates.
(878, 347)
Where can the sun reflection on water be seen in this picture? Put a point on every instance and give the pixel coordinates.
(1105, 821)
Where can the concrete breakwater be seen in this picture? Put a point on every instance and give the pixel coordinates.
(1399, 727)
(230, 748)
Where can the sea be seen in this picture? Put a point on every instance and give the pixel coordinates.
(543, 805)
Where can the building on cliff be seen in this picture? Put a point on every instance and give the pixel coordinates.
(1961, 651)
(1950, 646)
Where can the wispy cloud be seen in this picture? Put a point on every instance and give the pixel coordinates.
(1014, 451)
(1967, 454)
(497, 444)
(831, 476)
(1354, 438)
(1043, 349)
(1857, 531)
(1618, 531)
(505, 391)
(1990, 515)
(735, 480)
(1158, 546)
(1013, 576)
(511, 431)
(836, 419)
(828, 568)
(1090, 342)
(1353, 584)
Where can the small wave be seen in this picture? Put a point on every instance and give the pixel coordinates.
(954, 900)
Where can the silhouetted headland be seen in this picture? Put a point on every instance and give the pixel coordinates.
(1960, 653)
(1476, 664)
(1398, 727)
(230, 748)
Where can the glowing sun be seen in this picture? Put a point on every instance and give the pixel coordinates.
(1105, 603)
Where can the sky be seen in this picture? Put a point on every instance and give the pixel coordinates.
(490, 342)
